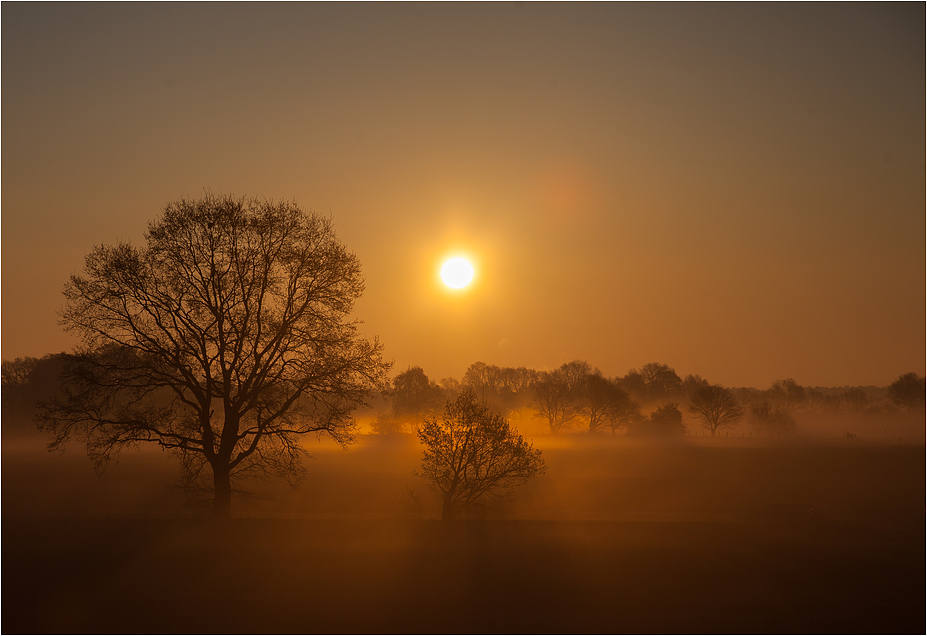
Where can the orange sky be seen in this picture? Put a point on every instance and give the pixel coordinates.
(734, 190)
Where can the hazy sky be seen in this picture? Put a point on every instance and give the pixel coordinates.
(735, 190)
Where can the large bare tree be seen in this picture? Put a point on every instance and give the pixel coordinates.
(225, 339)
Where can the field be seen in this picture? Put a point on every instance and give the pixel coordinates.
(724, 535)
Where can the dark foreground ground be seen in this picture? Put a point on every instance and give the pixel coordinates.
(706, 536)
(778, 575)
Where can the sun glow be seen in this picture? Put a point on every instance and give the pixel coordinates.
(457, 273)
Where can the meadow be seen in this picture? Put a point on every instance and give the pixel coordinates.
(699, 535)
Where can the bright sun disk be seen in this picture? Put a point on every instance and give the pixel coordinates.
(456, 273)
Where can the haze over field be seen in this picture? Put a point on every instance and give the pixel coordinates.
(737, 190)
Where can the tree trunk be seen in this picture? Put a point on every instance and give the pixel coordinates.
(222, 497)
(447, 510)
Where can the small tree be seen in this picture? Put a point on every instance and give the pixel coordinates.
(596, 395)
(16, 374)
(224, 339)
(26, 383)
(716, 406)
(517, 381)
(473, 457)
(787, 396)
(771, 420)
(554, 400)
(414, 397)
(855, 400)
(605, 403)
(622, 410)
(450, 387)
(666, 421)
(484, 379)
(907, 392)
(387, 424)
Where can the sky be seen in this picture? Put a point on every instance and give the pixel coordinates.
(736, 190)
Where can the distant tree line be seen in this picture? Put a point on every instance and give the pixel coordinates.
(649, 401)
(27, 381)
(573, 397)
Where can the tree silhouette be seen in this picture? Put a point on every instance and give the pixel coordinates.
(716, 406)
(16, 384)
(661, 380)
(771, 420)
(855, 400)
(485, 380)
(595, 395)
(787, 396)
(692, 382)
(622, 410)
(604, 403)
(554, 400)
(518, 380)
(505, 389)
(451, 387)
(15, 374)
(907, 392)
(515, 387)
(574, 373)
(667, 420)
(473, 457)
(387, 424)
(27, 381)
(224, 339)
(414, 396)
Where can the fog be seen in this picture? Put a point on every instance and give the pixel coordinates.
(735, 533)
(588, 478)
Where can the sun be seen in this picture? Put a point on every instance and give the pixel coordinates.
(457, 273)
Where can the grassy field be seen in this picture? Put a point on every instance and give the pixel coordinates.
(619, 536)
